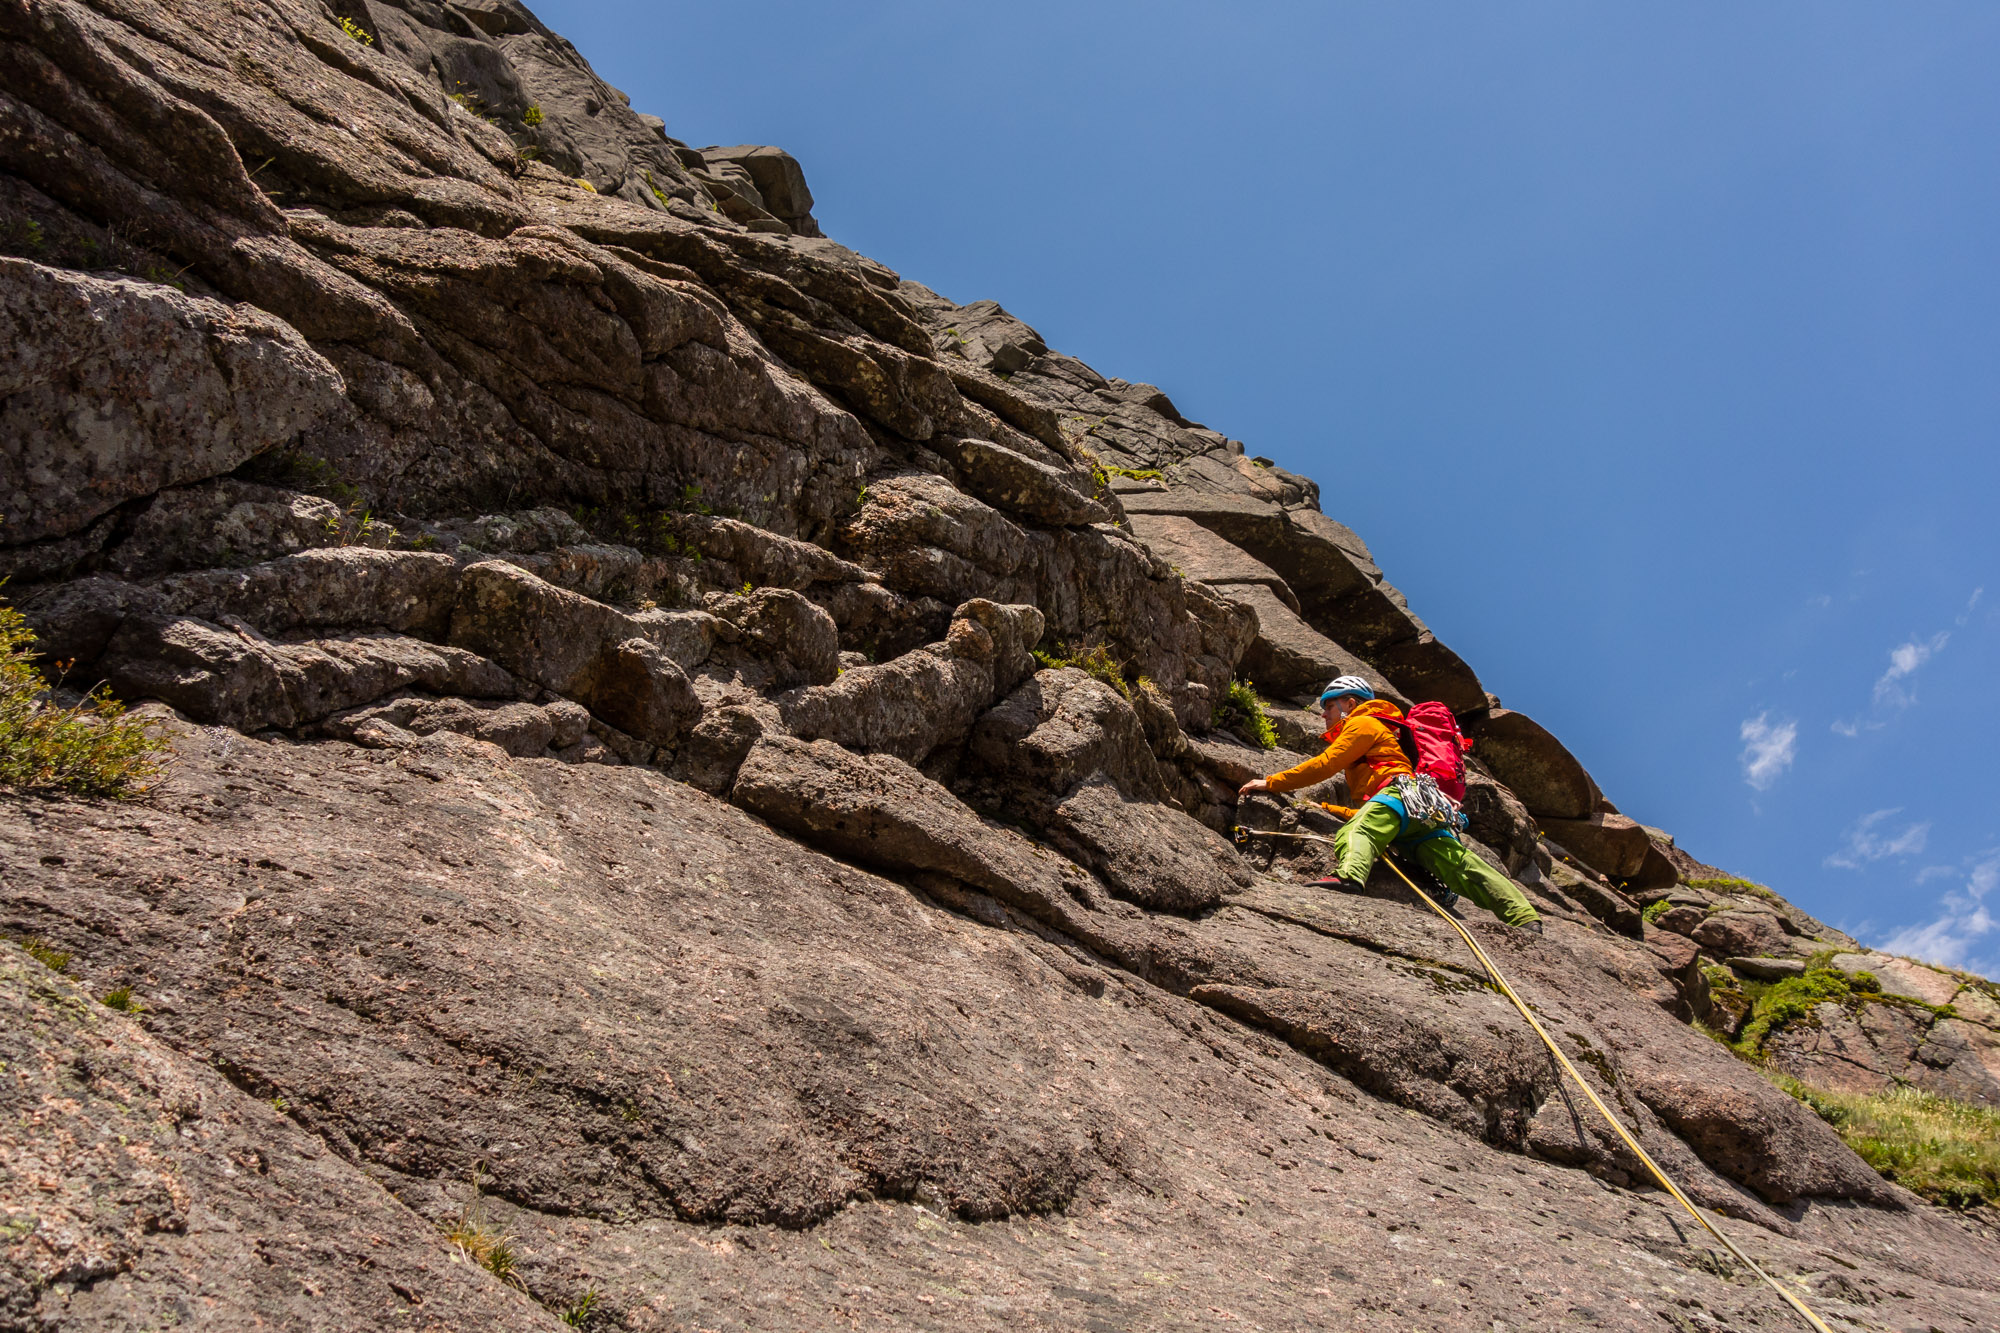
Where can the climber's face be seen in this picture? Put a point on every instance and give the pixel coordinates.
(1336, 710)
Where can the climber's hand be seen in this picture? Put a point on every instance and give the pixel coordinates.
(1254, 784)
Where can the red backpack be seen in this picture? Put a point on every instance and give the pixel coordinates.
(1430, 736)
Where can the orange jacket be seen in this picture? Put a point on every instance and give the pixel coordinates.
(1364, 746)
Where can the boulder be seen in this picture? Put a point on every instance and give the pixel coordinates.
(521, 729)
(882, 812)
(112, 388)
(1682, 920)
(1149, 854)
(343, 587)
(1602, 901)
(1289, 658)
(1533, 764)
(715, 749)
(1607, 842)
(1424, 668)
(1198, 554)
(778, 182)
(1058, 728)
(686, 636)
(784, 631)
(1751, 1132)
(1658, 871)
(1066, 754)
(1027, 487)
(568, 643)
(1767, 969)
(766, 558)
(989, 337)
(1741, 935)
(73, 622)
(237, 679)
(222, 522)
(925, 698)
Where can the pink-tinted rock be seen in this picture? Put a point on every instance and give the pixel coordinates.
(1604, 841)
(1741, 934)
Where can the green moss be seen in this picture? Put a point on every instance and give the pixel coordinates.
(1783, 1003)
(1654, 911)
(533, 117)
(124, 1001)
(356, 31)
(1944, 1150)
(88, 749)
(1730, 884)
(1136, 473)
(1242, 712)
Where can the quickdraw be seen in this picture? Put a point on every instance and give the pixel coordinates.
(1243, 837)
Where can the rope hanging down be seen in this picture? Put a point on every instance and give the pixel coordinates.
(1243, 835)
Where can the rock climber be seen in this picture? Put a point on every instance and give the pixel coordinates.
(1397, 806)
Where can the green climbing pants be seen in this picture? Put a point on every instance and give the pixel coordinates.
(1375, 826)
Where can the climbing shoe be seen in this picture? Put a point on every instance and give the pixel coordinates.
(1337, 883)
(1534, 926)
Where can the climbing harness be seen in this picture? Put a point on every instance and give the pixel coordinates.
(1243, 837)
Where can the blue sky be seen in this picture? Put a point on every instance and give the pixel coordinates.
(1654, 348)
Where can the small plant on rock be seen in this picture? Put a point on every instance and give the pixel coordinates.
(87, 749)
(1095, 660)
(54, 959)
(478, 1242)
(1654, 911)
(124, 1001)
(578, 1315)
(356, 31)
(533, 117)
(1242, 712)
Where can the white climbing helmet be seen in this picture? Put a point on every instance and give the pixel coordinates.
(1341, 686)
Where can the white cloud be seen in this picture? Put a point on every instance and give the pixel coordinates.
(1904, 659)
(1957, 936)
(1768, 748)
(1965, 617)
(1865, 843)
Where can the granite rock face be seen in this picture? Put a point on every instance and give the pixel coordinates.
(701, 756)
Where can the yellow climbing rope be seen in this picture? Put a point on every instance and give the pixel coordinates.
(1500, 984)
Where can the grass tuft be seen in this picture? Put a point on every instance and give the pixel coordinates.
(1654, 911)
(1944, 1150)
(1241, 711)
(88, 749)
(1096, 660)
(479, 1242)
(54, 959)
(124, 1001)
(578, 1315)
